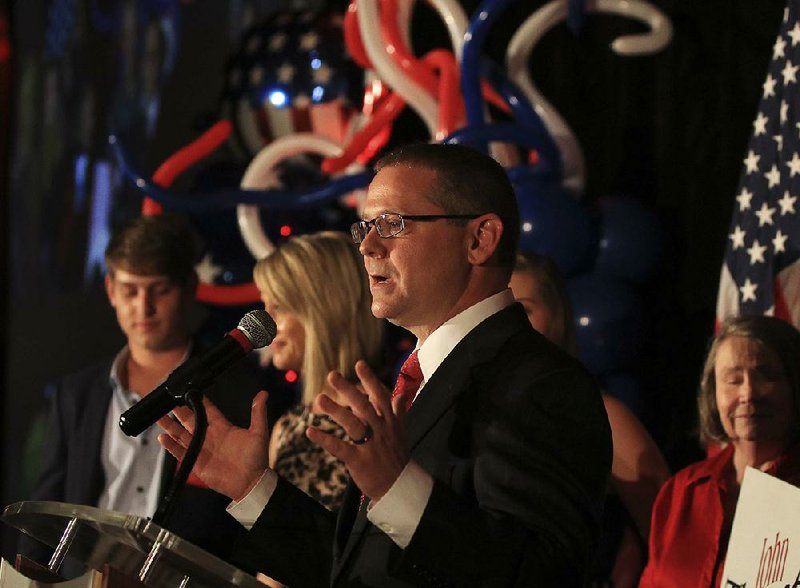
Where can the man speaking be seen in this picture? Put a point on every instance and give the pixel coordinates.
(487, 466)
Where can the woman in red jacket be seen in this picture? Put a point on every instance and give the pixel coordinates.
(749, 400)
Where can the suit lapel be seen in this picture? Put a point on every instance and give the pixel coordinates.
(452, 376)
(438, 395)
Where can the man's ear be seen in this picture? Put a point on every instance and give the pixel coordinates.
(484, 238)
(109, 284)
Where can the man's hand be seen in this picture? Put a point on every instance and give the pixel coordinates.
(232, 459)
(365, 412)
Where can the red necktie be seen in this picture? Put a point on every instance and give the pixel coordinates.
(408, 380)
(406, 386)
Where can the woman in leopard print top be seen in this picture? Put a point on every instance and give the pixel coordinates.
(321, 327)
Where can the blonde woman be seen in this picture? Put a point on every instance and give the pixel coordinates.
(316, 289)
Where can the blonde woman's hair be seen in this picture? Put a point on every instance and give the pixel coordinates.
(553, 291)
(321, 278)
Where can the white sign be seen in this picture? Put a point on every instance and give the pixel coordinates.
(764, 549)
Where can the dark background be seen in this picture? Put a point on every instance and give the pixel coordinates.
(669, 130)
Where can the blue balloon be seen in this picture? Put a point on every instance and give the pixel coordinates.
(482, 22)
(609, 322)
(552, 222)
(549, 165)
(225, 199)
(629, 244)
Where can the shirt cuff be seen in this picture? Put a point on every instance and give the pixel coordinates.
(399, 511)
(248, 509)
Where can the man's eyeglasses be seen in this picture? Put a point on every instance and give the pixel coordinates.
(391, 224)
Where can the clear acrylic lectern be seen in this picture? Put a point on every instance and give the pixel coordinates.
(131, 545)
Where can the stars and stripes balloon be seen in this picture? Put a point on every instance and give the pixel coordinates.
(292, 74)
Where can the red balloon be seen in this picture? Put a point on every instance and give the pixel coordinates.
(166, 173)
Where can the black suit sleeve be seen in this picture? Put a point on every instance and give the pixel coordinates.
(525, 510)
(292, 540)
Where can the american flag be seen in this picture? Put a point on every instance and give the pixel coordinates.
(761, 272)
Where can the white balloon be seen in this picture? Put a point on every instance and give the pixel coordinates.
(404, 10)
(260, 175)
(417, 97)
(456, 21)
(537, 25)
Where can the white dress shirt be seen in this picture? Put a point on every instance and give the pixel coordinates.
(132, 465)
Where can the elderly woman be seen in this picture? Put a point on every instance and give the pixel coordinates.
(749, 400)
(638, 469)
(322, 326)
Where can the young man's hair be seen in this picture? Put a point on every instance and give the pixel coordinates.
(162, 244)
(467, 182)
(337, 318)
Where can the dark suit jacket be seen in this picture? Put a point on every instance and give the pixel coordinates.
(514, 432)
(72, 470)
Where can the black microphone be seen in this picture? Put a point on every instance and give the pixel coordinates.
(255, 330)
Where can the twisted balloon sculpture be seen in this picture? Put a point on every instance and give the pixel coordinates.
(450, 90)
